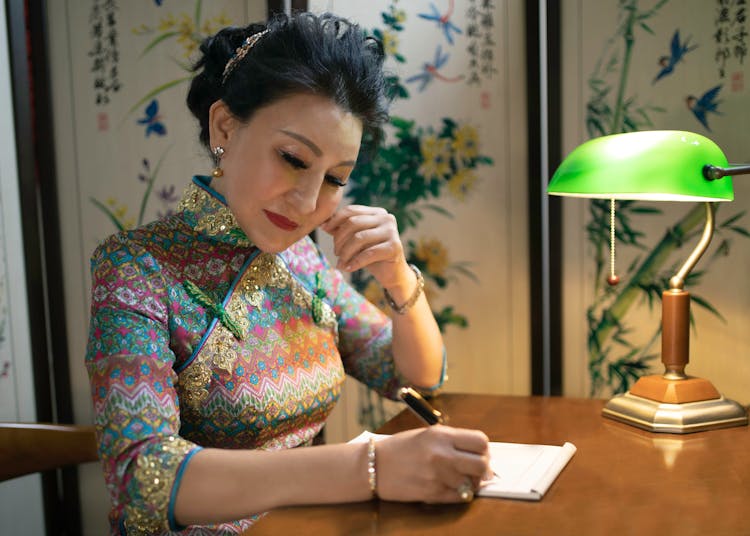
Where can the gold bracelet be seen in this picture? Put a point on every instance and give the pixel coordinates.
(372, 476)
(401, 309)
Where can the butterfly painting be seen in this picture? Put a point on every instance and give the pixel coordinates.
(152, 120)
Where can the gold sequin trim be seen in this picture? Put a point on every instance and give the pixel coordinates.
(219, 352)
(214, 217)
(220, 349)
(154, 477)
(267, 270)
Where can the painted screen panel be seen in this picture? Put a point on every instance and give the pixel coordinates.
(684, 69)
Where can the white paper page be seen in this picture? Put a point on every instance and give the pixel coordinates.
(522, 471)
(525, 471)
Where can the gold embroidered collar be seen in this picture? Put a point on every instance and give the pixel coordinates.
(207, 212)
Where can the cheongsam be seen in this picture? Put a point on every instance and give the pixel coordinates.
(198, 339)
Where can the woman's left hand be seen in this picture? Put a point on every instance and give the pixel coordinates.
(367, 237)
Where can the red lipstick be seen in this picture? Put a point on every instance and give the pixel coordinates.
(280, 221)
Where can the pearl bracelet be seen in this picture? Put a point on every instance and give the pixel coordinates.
(372, 476)
(401, 309)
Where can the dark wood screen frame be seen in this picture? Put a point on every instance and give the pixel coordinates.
(32, 104)
(277, 6)
(537, 196)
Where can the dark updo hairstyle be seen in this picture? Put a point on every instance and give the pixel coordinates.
(322, 55)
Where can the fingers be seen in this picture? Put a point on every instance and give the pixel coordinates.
(359, 247)
(343, 214)
(476, 441)
(469, 440)
(466, 464)
(363, 236)
(449, 494)
(470, 448)
(452, 485)
(439, 464)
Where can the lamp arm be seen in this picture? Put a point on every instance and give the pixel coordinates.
(712, 172)
(677, 282)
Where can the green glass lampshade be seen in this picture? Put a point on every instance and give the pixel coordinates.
(658, 165)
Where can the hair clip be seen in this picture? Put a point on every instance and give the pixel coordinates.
(240, 53)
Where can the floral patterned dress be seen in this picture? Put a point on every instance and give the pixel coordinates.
(198, 339)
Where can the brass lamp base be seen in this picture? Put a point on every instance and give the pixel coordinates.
(671, 415)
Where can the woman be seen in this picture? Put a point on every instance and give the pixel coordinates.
(220, 335)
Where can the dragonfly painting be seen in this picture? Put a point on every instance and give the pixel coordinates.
(443, 20)
(430, 71)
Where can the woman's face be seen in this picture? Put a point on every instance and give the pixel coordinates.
(285, 168)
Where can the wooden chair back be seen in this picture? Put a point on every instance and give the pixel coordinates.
(37, 447)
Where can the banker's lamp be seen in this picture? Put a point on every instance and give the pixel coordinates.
(661, 166)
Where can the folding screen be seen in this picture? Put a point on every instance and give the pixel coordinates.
(638, 65)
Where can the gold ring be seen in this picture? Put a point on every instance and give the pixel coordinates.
(466, 491)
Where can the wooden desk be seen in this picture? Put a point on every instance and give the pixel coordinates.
(622, 481)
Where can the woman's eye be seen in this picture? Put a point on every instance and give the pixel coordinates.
(335, 181)
(293, 161)
(297, 163)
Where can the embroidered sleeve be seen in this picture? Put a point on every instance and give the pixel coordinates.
(132, 385)
(365, 342)
(365, 337)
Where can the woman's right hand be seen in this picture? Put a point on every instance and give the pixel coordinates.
(431, 464)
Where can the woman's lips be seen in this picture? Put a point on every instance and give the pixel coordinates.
(280, 221)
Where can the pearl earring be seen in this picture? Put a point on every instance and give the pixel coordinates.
(217, 153)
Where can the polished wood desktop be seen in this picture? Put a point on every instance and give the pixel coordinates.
(621, 481)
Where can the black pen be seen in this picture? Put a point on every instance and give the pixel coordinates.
(420, 406)
(428, 414)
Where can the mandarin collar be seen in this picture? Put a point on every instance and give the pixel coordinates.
(205, 210)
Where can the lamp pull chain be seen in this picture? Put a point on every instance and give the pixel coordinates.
(612, 279)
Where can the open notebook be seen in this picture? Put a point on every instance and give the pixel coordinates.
(521, 471)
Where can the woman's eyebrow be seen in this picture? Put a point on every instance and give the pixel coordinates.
(299, 137)
(314, 148)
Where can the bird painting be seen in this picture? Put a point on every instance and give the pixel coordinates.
(705, 104)
(677, 51)
(443, 20)
(430, 71)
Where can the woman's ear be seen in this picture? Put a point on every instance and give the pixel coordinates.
(221, 124)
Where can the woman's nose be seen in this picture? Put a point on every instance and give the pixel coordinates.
(304, 195)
